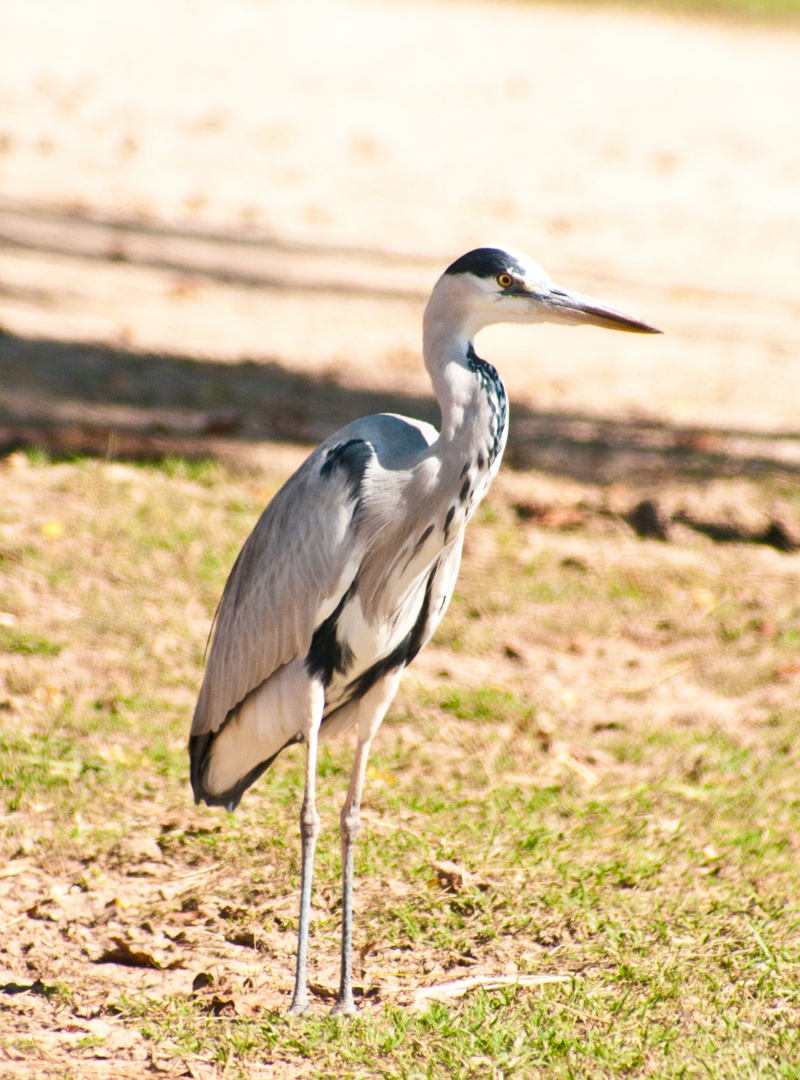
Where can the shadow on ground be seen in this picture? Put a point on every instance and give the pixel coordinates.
(71, 398)
(251, 260)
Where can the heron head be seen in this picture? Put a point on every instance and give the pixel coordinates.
(499, 284)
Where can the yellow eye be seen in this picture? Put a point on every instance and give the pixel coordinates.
(504, 280)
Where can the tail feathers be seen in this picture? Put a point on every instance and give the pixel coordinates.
(271, 717)
(198, 752)
(200, 747)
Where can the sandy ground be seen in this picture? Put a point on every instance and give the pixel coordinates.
(287, 188)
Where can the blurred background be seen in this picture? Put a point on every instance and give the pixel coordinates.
(244, 181)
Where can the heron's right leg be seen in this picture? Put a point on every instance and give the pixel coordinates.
(309, 831)
(372, 709)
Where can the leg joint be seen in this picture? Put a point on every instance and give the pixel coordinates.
(350, 824)
(309, 823)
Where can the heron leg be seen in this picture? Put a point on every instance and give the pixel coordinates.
(349, 827)
(309, 831)
(372, 710)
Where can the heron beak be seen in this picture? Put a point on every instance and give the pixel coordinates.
(565, 305)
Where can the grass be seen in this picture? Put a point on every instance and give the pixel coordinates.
(602, 739)
(27, 644)
(743, 9)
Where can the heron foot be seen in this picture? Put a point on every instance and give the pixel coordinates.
(344, 1007)
(299, 1008)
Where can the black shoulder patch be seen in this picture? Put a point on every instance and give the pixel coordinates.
(351, 458)
(486, 263)
(328, 653)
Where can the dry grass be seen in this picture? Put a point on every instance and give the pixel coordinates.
(590, 775)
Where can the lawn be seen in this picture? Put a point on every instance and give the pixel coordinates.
(582, 821)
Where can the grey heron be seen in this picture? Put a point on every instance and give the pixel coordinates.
(350, 568)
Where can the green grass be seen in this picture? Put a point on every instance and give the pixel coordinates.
(27, 644)
(617, 782)
(742, 9)
(669, 908)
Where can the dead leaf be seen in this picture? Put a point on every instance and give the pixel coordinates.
(190, 916)
(551, 517)
(146, 869)
(17, 866)
(127, 956)
(786, 671)
(228, 913)
(248, 1006)
(217, 1006)
(450, 875)
(245, 938)
(37, 911)
(139, 849)
(177, 937)
(366, 949)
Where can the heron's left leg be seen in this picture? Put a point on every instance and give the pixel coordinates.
(309, 830)
(372, 709)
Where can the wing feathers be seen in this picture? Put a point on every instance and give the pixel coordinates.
(300, 558)
(329, 522)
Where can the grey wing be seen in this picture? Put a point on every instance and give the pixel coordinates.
(297, 563)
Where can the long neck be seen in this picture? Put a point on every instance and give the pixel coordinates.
(471, 395)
